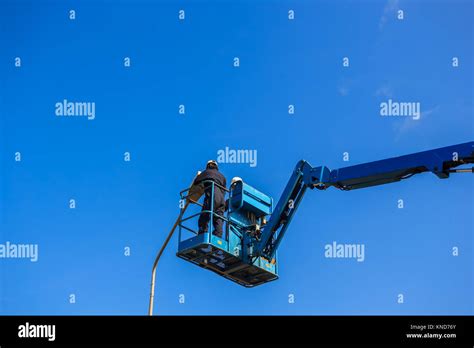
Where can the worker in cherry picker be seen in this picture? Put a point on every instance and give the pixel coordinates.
(212, 173)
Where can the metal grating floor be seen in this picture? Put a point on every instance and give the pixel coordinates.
(227, 265)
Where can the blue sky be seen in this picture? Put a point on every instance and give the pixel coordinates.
(133, 204)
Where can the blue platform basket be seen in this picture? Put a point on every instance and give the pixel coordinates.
(224, 255)
(212, 253)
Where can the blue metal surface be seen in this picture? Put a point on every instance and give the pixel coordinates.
(232, 256)
(202, 239)
(244, 197)
(438, 161)
(247, 254)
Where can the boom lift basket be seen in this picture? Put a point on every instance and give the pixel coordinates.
(228, 256)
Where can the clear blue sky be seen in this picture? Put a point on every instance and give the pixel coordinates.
(407, 251)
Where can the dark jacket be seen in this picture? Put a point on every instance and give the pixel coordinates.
(218, 178)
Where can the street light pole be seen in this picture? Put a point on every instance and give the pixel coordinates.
(155, 264)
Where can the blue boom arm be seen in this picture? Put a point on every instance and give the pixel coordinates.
(438, 161)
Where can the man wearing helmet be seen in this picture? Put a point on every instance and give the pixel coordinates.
(212, 173)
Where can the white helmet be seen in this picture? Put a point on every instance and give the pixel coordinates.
(212, 162)
(234, 180)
